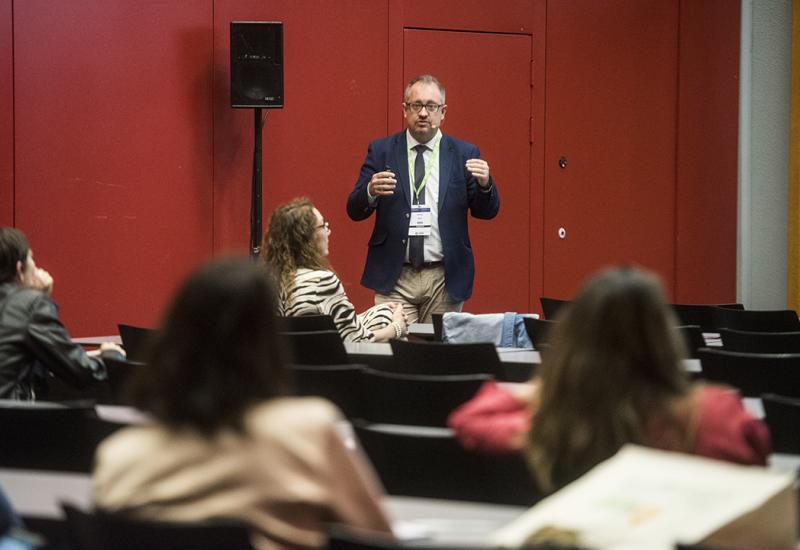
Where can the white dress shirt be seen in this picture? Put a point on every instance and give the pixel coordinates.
(433, 242)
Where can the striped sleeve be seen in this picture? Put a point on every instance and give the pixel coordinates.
(321, 292)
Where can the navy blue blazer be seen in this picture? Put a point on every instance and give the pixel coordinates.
(458, 193)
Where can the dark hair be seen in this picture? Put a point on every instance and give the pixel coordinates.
(217, 353)
(289, 242)
(14, 248)
(614, 363)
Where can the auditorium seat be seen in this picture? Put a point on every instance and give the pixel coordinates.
(50, 436)
(700, 314)
(306, 323)
(99, 530)
(120, 371)
(437, 322)
(752, 373)
(441, 358)
(781, 320)
(782, 415)
(551, 307)
(430, 462)
(323, 347)
(760, 342)
(135, 340)
(539, 331)
(416, 399)
(340, 384)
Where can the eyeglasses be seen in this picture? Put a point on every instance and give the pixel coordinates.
(325, 225)
(417, 107)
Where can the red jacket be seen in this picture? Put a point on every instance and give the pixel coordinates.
(495, 421)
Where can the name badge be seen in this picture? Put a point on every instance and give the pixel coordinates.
(420, 225)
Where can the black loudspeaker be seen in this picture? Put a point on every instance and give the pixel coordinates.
(257, 64)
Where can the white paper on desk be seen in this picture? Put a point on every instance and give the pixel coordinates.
(645, 498)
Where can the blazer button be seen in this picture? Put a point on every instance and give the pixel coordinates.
(407, 215)
(404, 241)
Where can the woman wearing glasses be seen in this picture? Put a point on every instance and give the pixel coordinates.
(295, 250)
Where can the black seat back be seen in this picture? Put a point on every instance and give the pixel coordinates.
(436, 319)
(551, 307)
(136, 341)
(416, 399)
(782, 415)
(50, 436)
(700, 314)
(441, 358)
(412, 461)
(340, 384)
(539, 331)
(752, 373)
(306, 323)
(120, 372)
(323, 347)
(781, 320)
(102, 531)
(760, 342)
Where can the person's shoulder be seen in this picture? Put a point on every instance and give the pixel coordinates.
(293, 415)
(387, 141)
(315, 276)
(715, 403)
(127, 444)
(716, 395)
(21, 297)
(726, 430)
(459, 144)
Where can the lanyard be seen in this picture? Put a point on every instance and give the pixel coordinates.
(418, 190)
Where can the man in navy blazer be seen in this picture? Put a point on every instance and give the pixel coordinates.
(421, 184)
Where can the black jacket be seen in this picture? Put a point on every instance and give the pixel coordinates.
(33, 341)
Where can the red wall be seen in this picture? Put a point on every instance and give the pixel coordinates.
(708, 123)
(611, 113)
(6, 116)
(126, 166)
(113, 151)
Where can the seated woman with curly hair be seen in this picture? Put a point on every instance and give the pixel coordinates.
(295, 251)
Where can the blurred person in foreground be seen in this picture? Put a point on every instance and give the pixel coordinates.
(295, 250)
(227, 440)
(33, 342)
(613, 375)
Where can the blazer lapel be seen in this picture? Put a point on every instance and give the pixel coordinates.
(399, 164)
(446, 157)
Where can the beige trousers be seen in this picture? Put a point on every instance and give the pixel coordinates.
(422, 294)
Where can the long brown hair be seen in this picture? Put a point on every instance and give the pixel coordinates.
(217, 353)
(614, 363)
(290, 243)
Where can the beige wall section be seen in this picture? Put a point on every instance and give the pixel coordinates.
(764, 120)
(794, 167)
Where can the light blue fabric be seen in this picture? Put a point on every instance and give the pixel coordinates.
(12, 543)
(505, 330)
(11, 523)
(514, 333)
